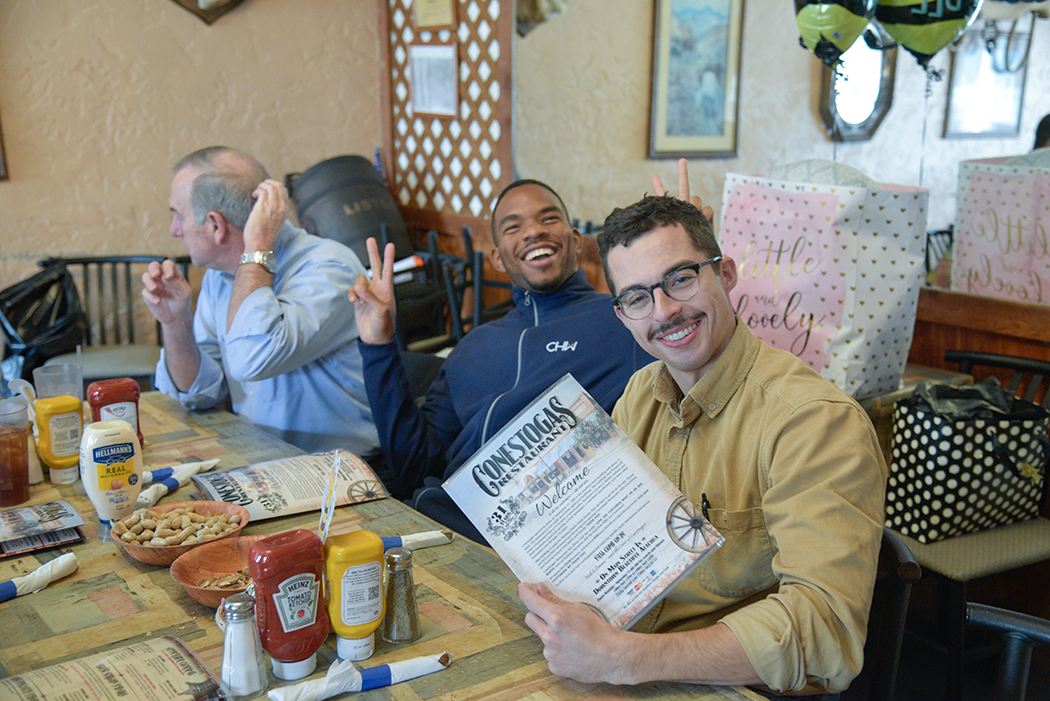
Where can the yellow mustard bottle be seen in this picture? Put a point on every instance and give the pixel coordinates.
(59, 421)
(354, 566)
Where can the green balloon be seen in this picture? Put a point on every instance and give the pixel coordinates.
(924, 27)
(829, 28)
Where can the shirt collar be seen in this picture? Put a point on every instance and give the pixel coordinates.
(576, 284)
(717, 386)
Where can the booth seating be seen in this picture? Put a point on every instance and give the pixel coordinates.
(958, 561)
(116, 341)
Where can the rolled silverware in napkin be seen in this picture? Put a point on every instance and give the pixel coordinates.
(344, 678)
(168, 480)
(416, 541)
(33, 582)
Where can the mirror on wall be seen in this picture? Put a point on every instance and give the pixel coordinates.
(856, 95)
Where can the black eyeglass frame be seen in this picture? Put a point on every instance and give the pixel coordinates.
(695, 267)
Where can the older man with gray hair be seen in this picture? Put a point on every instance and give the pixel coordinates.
(273, 332)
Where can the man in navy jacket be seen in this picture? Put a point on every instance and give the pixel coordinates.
(560, 324)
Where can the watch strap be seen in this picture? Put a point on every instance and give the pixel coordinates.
(266, 259)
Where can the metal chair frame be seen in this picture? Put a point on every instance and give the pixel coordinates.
(1020, 634)
(897, 571)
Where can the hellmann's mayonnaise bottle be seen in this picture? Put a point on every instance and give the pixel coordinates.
(111, 470)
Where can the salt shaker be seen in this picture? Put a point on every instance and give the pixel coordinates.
(401, 622)
(243, 666)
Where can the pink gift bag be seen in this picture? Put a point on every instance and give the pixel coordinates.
(1000, 246)
(830, 273)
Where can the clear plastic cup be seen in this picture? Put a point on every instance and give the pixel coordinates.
(58, 381)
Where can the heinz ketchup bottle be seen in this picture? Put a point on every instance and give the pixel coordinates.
(290, 610)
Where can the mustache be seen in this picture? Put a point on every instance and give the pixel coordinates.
(673, 324)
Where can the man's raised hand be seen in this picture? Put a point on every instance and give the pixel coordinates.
(166, 292)
(683, 190)
(374, 300)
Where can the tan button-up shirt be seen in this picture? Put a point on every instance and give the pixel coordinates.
(795, 480)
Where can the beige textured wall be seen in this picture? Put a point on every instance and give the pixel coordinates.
(582, 86)
(99, 98)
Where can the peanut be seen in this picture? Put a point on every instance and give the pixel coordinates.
(181, 526)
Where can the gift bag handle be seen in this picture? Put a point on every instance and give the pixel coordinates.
(1035, 471)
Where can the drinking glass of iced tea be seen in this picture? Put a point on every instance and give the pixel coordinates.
(14, 452)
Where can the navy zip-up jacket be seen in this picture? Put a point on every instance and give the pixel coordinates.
(490, 376)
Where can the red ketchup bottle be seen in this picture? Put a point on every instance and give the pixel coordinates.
(116, 399)
(289, 601)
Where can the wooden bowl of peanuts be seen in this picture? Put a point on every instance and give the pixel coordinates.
(216, 570)
(158, 535)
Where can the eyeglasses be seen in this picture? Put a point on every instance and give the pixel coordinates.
(680, 285)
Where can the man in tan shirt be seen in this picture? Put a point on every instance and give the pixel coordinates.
(787, 466)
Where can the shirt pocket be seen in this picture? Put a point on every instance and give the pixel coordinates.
(742, 566)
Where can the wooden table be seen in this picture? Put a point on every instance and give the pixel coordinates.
(467, 597)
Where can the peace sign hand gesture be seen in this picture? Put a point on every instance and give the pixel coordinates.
(683, 190)
(374, 300)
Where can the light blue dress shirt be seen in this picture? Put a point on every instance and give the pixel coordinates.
(290, 361)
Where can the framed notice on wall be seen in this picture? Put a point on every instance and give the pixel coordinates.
(434, 14)
(434, 79)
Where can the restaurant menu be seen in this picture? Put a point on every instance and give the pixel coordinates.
(158, 669)
(27, 528)
(291, 485)
(565, 497)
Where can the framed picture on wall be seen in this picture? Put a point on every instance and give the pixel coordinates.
(696, 78)
(986, 88)
(3, 163)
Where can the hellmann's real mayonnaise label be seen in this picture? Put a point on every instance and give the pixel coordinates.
(114, 465)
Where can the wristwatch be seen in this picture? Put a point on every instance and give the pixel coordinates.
(264, 258)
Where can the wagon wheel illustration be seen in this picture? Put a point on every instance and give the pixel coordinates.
(685, 525)
(363, 490)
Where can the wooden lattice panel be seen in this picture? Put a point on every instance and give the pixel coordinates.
(445, 165)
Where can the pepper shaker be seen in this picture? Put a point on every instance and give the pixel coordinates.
(401, 622)
(243, 666)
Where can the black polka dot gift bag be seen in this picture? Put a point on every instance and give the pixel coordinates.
(965, 459)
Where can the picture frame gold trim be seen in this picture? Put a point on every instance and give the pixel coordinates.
(701, 76)
(3, 162)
